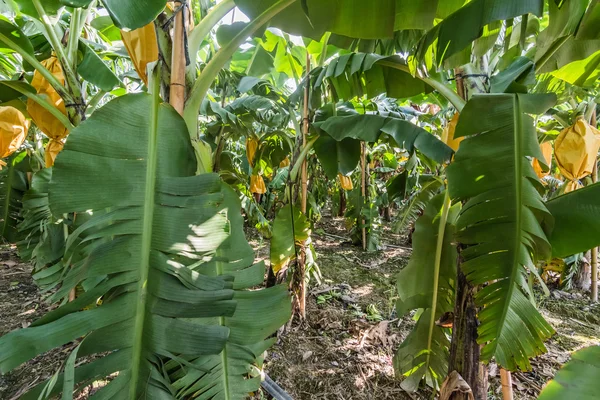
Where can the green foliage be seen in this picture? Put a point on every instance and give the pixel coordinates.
(500, 225)
(575, 228)
(289, 228)
(369, 128)
(465, 25)
(357, 74)
(13, 185)
(416, 204)
(166, 253)
(427, 283)
(578, 379)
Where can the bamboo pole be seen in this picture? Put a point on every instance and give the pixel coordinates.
(305, 118)
(363, 188)
(304, 194)
(177, 88)
(506, 380)
(594, 252)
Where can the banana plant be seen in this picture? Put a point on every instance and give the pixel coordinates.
(169, 260)
(503, 227)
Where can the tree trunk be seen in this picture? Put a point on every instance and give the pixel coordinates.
(342, 209)
(464, 349)
(583, 280)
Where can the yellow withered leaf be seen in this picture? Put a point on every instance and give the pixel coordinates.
(13, 131)
(575, 150)
(546, 148)
(45, 121)
(448, 133)
(345, 182)
(257, 184)
(251, 147)
(142, 48)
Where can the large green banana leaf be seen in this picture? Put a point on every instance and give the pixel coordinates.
(288, 230)
(125, 13)
(427, 282)
(462, 27)
(356, 74)
(165, 252)
(576, 221)
(370, 127)
(578, 379)
(500, 225)
(13, 185)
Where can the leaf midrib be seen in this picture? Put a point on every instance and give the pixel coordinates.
(140, 315)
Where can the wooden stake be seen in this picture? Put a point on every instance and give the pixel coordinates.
(506, 380)
(305, 127)
(594, 252)
(177, 89)
(301, 265)
(363, 187)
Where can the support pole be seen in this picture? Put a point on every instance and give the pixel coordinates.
(594, 252)
(363, 188)
(304, 194)
(177, 88)
(506, 380)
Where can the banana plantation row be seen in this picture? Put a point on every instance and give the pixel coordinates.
(134, 132)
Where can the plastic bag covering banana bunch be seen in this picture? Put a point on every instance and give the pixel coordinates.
(13, 131)
(45, 121)
(257, 184)
(546, 148)
(285, 163)
(575, 150)
(142, 48)
(345, 182)
(251, 147)
(448, 133)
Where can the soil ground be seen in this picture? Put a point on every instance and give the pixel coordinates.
(344, 349)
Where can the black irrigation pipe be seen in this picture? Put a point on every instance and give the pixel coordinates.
(274, 389)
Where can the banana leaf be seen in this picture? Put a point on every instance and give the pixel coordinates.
(165, 252)
(500, 224)
(578, 379)
(427, 283)
(13, 185)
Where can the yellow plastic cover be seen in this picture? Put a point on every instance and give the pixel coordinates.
(257, 184)
(345, 182)
(284, 163)
(45, 121)
(13, 131)
(142, 48)
(575, 150)
(448, 133)
(251, 147)
(546, 148)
